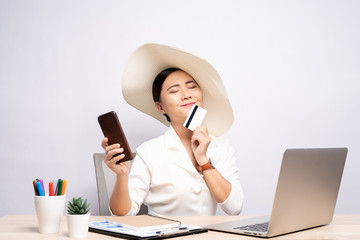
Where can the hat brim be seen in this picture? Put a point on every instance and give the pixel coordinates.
(147, 61)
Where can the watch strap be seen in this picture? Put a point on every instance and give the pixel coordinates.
(208, 165)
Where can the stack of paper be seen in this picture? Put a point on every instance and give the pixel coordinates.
(143, 227)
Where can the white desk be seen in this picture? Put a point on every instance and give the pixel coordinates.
(342, 227)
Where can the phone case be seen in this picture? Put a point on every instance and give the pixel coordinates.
(111, 128)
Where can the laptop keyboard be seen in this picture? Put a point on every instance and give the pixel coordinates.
(259, 227)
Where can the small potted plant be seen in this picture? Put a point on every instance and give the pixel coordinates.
(78, 217)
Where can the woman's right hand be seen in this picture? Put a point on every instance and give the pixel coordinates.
(120, 202)
(110, 161)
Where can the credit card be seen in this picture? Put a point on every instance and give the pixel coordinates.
(195, 117)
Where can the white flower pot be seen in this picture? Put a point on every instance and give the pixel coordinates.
(78, 225)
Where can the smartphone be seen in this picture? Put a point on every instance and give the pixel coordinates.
(111, 128)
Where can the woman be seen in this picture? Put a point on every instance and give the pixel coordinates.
(174, 174)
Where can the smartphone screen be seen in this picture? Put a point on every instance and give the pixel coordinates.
(111, 128)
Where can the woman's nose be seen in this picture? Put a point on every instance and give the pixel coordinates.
(185, 95)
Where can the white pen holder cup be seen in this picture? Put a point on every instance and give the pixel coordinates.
(49, 211)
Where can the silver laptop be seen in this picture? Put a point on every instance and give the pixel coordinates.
(306, 194)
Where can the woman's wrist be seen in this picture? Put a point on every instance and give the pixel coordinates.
(202, 160)
(121, 176)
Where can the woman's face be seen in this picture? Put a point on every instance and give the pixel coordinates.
(179, 93)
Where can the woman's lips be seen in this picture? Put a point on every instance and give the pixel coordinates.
(187, 104)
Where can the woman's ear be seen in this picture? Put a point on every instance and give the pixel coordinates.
(159, 107)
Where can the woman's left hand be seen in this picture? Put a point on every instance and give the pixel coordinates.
(199, 143)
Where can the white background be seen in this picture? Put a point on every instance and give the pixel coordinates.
(291, 68)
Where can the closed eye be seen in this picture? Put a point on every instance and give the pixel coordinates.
(173, 88)
(173, 91)
(192, 84)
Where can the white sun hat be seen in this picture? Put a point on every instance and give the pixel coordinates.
(147, 61)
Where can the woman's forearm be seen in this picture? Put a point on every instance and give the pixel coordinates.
(220, 188)
(120, 201)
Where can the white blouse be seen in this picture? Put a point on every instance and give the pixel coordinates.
(163, 177)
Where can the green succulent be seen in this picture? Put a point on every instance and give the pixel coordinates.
(78, 206)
